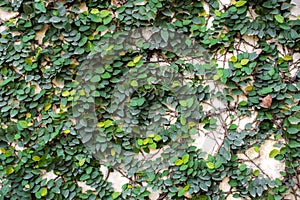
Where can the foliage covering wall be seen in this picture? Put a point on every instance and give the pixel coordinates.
(37, 86)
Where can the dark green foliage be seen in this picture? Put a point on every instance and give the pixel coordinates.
(38, 86)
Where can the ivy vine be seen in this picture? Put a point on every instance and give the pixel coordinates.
(43, 45)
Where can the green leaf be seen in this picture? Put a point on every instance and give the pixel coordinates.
(107, 20)
(293, 130)
(95, 79)
(106, 75)
(218, 13)
(243, 167)
(152, 146)
(185, 158)
(273, 153)
(6, 81)
(137, 101)
(79, 51)
(256, 172)
(271, 72)
(40, 6)
(240, 3)
(27, 8)
(157, 138)
(183, 167)
(279, 18)
(134, 83)
(184, 103)
(294, 120)
(238, 65)
(104, 13)
(294, 144)
(95, 18)
(243, 103)
(181, 192)
(140, 142)
(165, 35)
(108, 123)
(233, 183)
(17, 136)
(190, 102)
(55, 19)
(115, 195)
(23, 124)
(183, 120)
(233, 127)
(210, 165)
(13, 113)
(266, 90)
(84, 177)
(65, 192)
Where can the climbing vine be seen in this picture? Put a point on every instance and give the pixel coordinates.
(253, 63)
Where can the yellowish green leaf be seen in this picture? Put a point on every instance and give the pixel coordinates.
(44, 192)
(131, 64)
(240, 3)
(82, 92)
(249, 88)
(187, 187)
(273, 153)
(178, 162)
(216, 77)
(113, 152)
(81, 162)
(28, 115)
(104, 13)
(36, 158)
(65, 93)
(94, 11)
(146, 141)
(28, 61)
(9, 171)
(47, 106)
(115, 195)
(210, 165)
(66, 131)
(233, 59)
(157, 138)
(256, 172)
(218, 13)
(238, 65)
(244, 61)
(134, 83)
(279, 18)
(185, 158)
(287, 58)
(137, 59)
